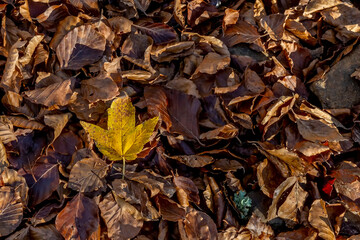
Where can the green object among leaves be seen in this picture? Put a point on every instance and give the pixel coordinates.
(243, 203)
(122, 140)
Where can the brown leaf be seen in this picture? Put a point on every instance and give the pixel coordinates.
(159, 32)
(227, 131)
(268, 178)
(230, 18)
(11, 210)
(294, 196)
(169, 210)
(195, 161)
(43, 180)
(226, 165)
(57, 122)
(168, 105)
(212, 63)
(57, 94)
(172, 51)
(81, 46)
(253, 82)
(274, 24)
(12, 178)
(10, 78)
(258, 228)
(135, 194)
(123, 221)
(25, 123)
(101, 87)
(88, 175)
(319, 219)
(198, 225)
(154, 182)
(316, 130)
(188, 187)
(79, 219)
(242, 32)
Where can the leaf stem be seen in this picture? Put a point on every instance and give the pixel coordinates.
(123, 168)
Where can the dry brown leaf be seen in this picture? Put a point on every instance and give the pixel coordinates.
(295, 197)
(81, 46)
(87, 175)
(79, 219)
(54, 95)
(11, 210)
(319, 219)
(123, 221)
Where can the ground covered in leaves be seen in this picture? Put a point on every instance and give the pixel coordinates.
(249, 112)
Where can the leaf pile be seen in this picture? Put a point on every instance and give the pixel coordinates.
(238, 119)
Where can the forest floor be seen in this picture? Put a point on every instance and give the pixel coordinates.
(235, 119)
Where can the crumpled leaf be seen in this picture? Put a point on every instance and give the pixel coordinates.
(122, 140)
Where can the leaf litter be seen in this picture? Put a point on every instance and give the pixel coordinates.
(179, 119)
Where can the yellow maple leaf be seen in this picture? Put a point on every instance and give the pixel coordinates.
(122, 140)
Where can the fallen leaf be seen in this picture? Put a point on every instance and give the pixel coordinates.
(122, 140)
(80, 47)
(79, 219)
(87, 175)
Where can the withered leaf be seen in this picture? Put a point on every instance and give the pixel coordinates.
(88, 174)
(79, 219)
(319, 219)
(121, 218)
(242, 32)
(43, 180)
(81, 46)
(169, 209)
(274, 24)
(57, 94)
(198, 225)
(294, 201)
(11, 210)
(101, 87)
(159, 32)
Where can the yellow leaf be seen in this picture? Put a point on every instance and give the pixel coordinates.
(122, 140)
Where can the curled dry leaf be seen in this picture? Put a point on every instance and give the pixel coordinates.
(81, 46)
(4, 163)
(319, 219)
(188, 187)
(54, 95)
(169, 209)
(197, 225)
(227, 131)
(123, 221)
(22, 122)
(79, 219)
(159, 32)
(274, 24)
(154, 182)
(11, 178)
(11, 210)
(295, 197)
(87, 175)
